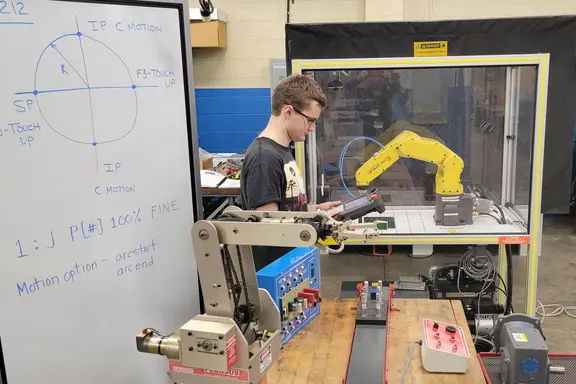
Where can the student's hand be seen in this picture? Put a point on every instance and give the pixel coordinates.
(328, 205)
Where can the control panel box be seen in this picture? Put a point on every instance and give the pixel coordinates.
(444, 348)
(293, 281)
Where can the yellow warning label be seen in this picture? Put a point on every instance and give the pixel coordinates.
(521, 337)
(430, 48)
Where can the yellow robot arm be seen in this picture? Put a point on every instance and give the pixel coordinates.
(393, 131)
(409, 145)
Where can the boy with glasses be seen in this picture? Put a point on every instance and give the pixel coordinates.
(270, 178)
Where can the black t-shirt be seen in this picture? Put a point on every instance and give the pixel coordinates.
(270, 175)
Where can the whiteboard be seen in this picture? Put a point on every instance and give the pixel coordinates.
(97, 193)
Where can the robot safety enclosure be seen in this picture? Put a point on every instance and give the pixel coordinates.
(453, 145)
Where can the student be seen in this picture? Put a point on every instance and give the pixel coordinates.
(271, 179)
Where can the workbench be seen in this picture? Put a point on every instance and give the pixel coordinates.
(405, 326)
(322, 351)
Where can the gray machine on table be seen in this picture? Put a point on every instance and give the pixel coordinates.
(239, 334)
(523, 351)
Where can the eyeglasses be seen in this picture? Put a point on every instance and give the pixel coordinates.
(310, 120)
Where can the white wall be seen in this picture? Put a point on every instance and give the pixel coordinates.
(256, 28)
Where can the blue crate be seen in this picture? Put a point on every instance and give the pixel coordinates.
(288, 276)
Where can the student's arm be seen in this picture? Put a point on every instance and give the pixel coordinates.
(324, 206)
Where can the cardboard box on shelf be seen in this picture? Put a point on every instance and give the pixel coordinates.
(206, 34)
(210, 34)
(206, 159)
(206, 163)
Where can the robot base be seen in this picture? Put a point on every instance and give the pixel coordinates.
(253, 358)
(454, 210)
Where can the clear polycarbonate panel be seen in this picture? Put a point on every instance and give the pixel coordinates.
(485, 115)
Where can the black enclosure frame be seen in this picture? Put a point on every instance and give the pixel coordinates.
(553, 35)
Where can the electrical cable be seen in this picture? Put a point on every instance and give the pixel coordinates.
(343, 153)
(571, 308)
(478, 190)
(491, 215)
(428, 284)
(507, 293)
(413, 346)
(509, 270)
(333, 251)
(154, 331)
(503, 221)
(476, 269)
(479, 268)
(559, 309)
(206, 7)
(509, 278)
(479, 340)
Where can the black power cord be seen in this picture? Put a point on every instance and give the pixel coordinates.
(428, 284)
(509, 271)
(506, 292)
(510, 278)
(206, 8)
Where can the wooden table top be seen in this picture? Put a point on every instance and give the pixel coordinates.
(405, 326)
(320, 352)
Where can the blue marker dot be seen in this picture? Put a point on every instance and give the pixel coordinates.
(94, 143)
(35, 92)
(79, 33)
(134, 86)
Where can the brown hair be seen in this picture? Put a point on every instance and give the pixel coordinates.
(297, 91)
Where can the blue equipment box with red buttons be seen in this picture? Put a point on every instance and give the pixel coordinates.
(293, 281)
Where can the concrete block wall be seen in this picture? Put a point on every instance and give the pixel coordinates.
(233, 85)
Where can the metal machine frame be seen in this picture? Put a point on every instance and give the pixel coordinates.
(211, 348)
(534, 236)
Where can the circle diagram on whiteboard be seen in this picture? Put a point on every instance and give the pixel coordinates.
(84, 90)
